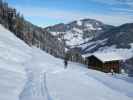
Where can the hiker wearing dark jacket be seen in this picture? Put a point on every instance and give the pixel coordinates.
(65, 63)
(66, 59)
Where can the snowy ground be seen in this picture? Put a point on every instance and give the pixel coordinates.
(31, 74)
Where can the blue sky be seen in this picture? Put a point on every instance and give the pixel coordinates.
(50, 12)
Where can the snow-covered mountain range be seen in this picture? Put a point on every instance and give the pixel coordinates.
(77, 32)
(90, 36)
(28, 73)
(119, 40)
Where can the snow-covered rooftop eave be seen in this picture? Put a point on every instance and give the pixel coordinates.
(111, 61)
(104, 58)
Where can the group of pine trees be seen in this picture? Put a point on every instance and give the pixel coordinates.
(11, 19)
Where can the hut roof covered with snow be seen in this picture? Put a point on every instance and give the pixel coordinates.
(106, 57)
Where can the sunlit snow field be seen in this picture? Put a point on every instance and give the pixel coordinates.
(27, 73)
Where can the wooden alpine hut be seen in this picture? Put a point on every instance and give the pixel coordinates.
(105, 62)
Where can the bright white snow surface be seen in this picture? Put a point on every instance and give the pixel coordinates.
(31, 74)
(13, 53)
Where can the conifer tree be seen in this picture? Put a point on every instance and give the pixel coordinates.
(19, 26)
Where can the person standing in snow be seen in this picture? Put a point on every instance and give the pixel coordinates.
(65, 63)
(66, 60)
(112, 71)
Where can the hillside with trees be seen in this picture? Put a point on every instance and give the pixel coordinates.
(29, 33)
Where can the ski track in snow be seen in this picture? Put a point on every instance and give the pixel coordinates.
(36, 85)
(46, 88)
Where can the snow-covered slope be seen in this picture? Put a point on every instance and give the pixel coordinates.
(13, 53)
(31, 74)
(48, 80)
(78, 32)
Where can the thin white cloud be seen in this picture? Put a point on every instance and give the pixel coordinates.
(125, 4)
(109, 2)
(112, 18)
(112, 2)
(125, 11)
(120, 7)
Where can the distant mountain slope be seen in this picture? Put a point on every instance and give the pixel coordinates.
(121, 36)
(119, 40)
(77, 32)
